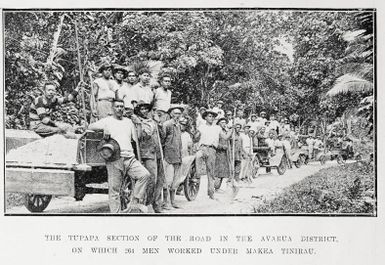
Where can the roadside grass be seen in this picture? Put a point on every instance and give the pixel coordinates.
(347, 188)
(14, 199)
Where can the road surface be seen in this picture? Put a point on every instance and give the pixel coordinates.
(265, 186)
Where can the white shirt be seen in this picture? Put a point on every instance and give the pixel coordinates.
(246, 142)
(162, 99)
(209, 134)
(127, 93)
(274, 125)
(106, 89)
(123, 131)
(143, 93)
(261, 121)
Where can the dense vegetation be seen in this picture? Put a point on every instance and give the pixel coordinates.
(340, 189)
(279, 61)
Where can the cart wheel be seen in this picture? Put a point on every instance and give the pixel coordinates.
(281, 169)
(340, 159)
(191, 184)
(36, 203)
(218, 183)
(322, 160)
(298, 163)
(255, 167)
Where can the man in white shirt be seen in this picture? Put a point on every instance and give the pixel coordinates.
(123, 131)
(253, 122)
(104, 90)
(274, 124)
(218, 109)
(127, 93)
(208, 135)
(247, 153)
(162, 98)
(262, 118)
(143, 89)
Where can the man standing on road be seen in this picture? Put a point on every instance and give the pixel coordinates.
(150, 154)
(208, 135)
(162, 99)
(172, 150)
(222, 161)
(104, 90)
(123, 131)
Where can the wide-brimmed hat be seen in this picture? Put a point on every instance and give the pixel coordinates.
(253, 115)
(117, 67)
(246, 125)
(104, 66)
(262, 112)
(109, 149)
(175, 106)
(140, 104)
(222, 119)
(209, 111)
(220, 102)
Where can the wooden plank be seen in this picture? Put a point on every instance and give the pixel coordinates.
(40, 181)
(14, 164)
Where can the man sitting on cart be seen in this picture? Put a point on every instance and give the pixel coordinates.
(43, 107)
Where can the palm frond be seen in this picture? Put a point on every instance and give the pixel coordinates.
(361, 70)
(350, 83)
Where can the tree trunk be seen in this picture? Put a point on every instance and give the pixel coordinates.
(56, 36)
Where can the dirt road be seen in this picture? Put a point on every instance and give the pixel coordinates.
(265, 186)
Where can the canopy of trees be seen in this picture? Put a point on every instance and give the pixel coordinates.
(279, 61)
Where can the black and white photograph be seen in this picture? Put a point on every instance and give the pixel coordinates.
(190, 112)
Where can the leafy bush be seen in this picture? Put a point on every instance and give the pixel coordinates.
(340, 189)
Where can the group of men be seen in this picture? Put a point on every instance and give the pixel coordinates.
(152, 138)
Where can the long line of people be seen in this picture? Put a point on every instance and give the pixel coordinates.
(154, 135)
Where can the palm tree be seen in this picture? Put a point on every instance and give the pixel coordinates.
(357, 66)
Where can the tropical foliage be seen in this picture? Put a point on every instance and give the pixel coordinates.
(279, 61)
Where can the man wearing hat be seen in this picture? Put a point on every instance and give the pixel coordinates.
(172, 151)
(150, 153)
(143, 89)
(222, 160)
(253, 122)
(104, 91)
(218, 109)
(262, 118)
(123, 131)
(208, 135)
(162, 98)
